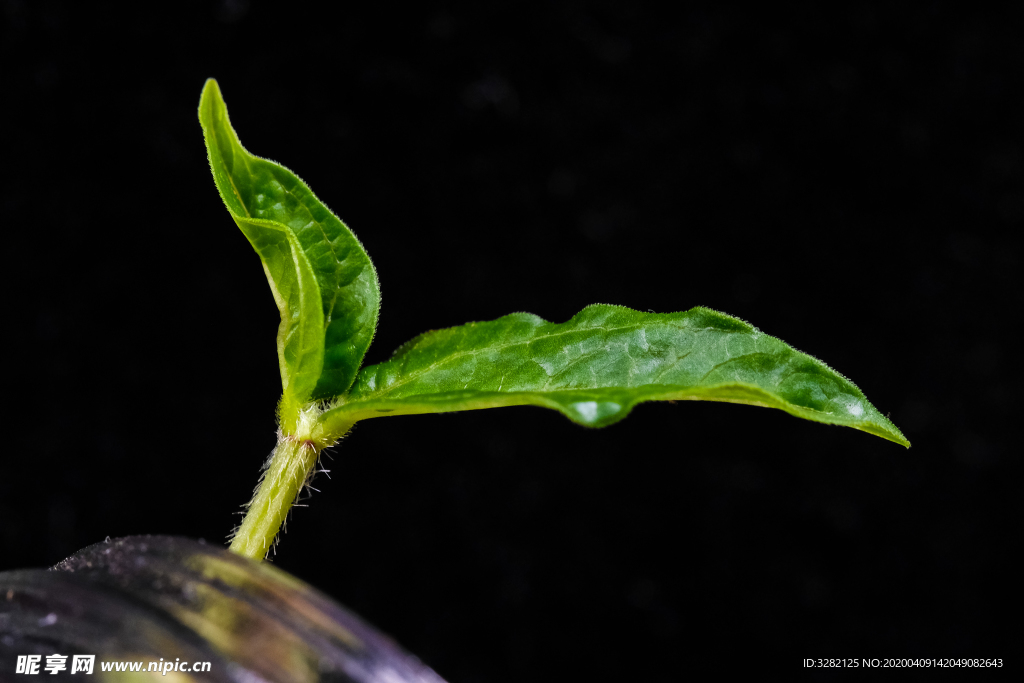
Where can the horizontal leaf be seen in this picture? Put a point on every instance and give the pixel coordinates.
(323, 282)
(598, 365)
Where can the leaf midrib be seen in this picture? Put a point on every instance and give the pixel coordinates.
(246, 158)
(405, 379)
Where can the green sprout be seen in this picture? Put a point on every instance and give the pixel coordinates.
(593, 368)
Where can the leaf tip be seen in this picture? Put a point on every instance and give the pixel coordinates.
(210, 88)
(209, 100)
(884, 428)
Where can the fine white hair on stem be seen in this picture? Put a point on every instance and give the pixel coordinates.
(292, 466)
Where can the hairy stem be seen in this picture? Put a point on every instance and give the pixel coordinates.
(288, 470)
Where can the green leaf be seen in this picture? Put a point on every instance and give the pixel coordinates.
(598, 365)
(323, 282)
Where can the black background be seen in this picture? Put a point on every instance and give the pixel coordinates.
(849, 181)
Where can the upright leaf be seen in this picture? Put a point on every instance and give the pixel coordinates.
(598, 365)
(323, 282)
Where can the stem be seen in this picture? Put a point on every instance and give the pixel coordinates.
(288, 470)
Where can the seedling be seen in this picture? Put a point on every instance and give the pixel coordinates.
(593, 368)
